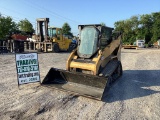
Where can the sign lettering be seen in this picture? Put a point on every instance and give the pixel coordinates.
(27, 68)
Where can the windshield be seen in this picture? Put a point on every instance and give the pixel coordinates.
(51, 32)
(89, 39)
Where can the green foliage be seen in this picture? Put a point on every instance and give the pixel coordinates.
(7, 26)
(103, 24)
(140, 27)
(66, 29)
(156, 26)
(25, 26)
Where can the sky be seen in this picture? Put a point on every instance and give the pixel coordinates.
(76, 12)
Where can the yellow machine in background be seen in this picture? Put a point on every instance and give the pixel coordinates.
(130, 47)
(51, 39)
(93, 66)
(60, 42)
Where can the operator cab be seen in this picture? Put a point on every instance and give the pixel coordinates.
(93, 38)
(54, 32)
(51, 32)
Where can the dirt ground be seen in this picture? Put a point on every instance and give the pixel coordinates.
(136, 95)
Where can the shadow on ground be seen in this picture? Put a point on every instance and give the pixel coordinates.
(134, 84)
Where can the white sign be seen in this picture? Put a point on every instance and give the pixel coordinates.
(27, 68)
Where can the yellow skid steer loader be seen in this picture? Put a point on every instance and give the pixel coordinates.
(93, 66)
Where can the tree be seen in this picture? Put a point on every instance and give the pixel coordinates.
(66, 29)
(146, 23)
(25, 26)
(145, 26)
(156, 26)
(7, 26)
(125, 26)
(103, 24)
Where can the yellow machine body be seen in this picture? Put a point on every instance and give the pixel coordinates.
(103, 57)
(62, 40)
(93, 66)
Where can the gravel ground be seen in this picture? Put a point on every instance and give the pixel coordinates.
(134, 96)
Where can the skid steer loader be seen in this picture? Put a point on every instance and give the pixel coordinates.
(93, 66)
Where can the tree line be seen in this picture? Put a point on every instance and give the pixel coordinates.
(8, 27)
(146, 27)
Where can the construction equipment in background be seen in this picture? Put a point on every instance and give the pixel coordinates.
(3, 47)
(128, 46)
(93, 66)
(13, 43)
(137, 44)
(16, 43)
(157, 44)
(60, 42)
(140, 43)
(50, 39)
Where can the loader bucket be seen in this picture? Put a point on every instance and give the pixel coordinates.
(78, 83)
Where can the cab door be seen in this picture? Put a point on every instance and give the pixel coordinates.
(60, 39)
